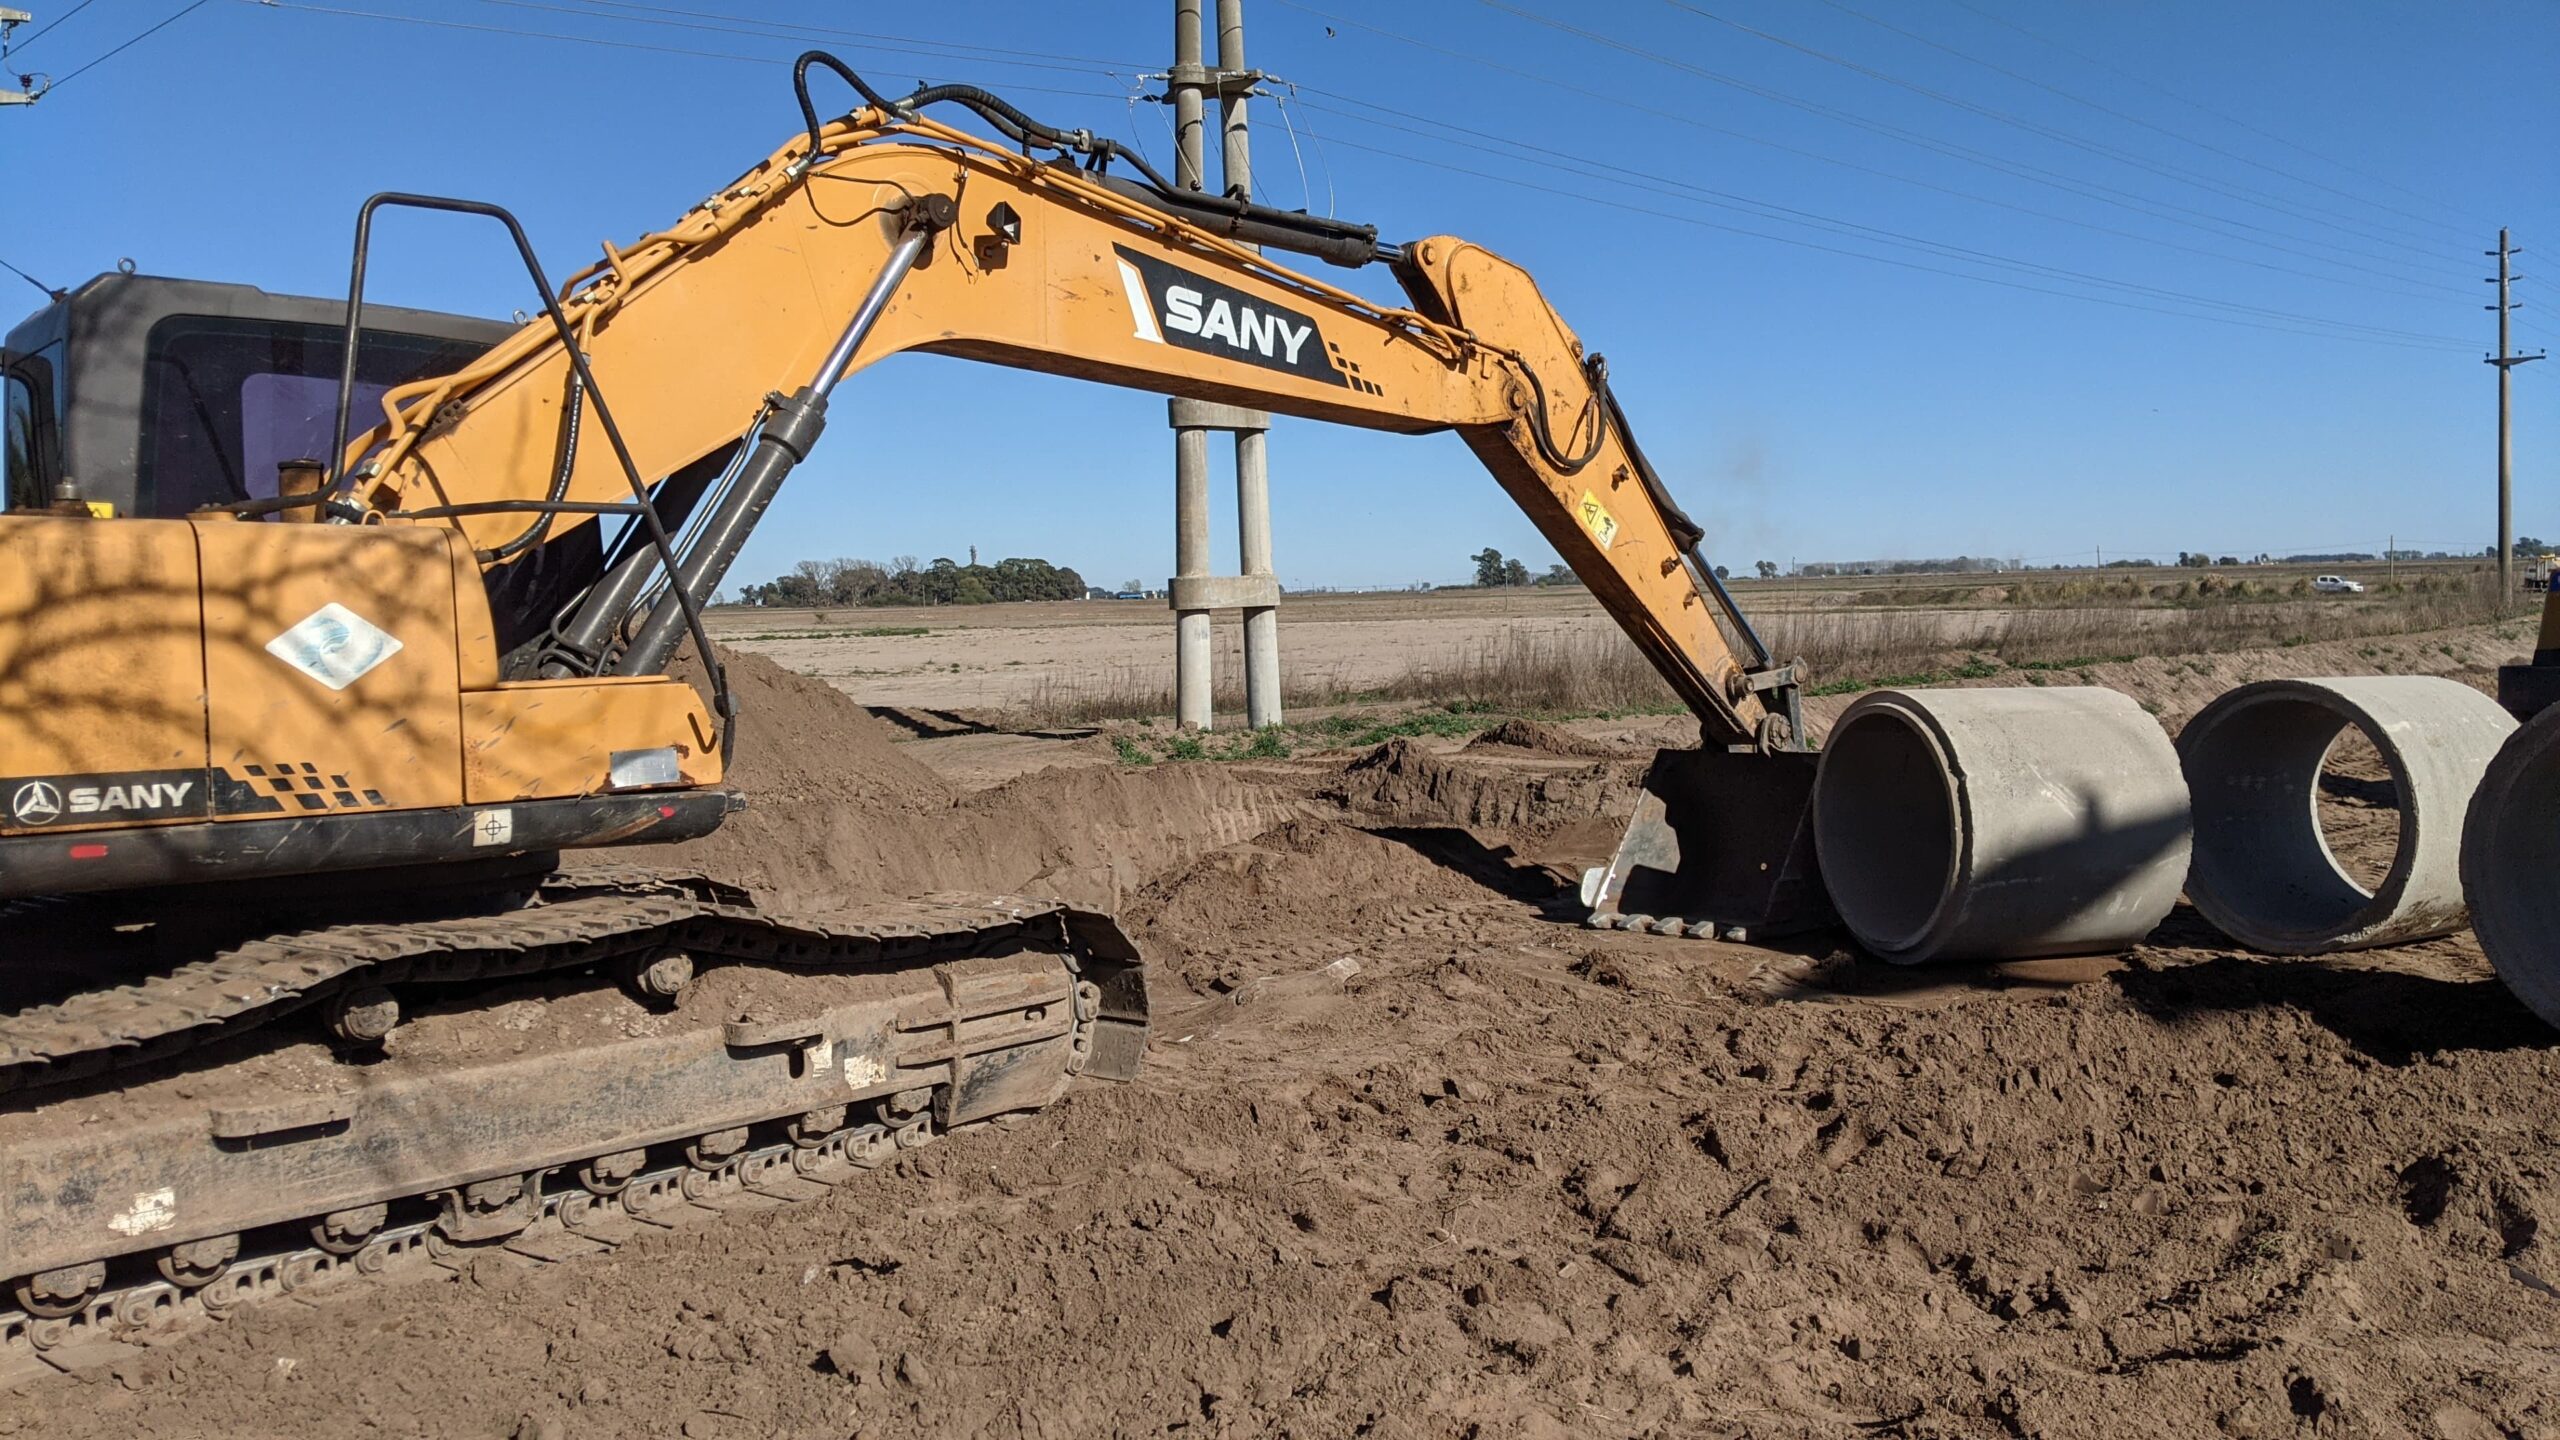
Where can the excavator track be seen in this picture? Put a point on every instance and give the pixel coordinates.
(621, 1051)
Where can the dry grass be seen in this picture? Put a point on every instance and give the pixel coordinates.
(1587, 671)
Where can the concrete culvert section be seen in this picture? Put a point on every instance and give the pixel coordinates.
(2266, 871)
(2510, 856)
(1999, 824)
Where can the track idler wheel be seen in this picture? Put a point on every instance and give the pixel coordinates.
(365, 1015)
(58, 1294)
(657, 977)
(198, 1263)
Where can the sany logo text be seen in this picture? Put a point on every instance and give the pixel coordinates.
(1244, 328)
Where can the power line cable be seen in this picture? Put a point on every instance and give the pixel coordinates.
(881, 44)
(2132, 119)
(2248, 260)
(1658, 183)
(1936, 249)
(48, 26)
(182, 14)
(2088, 188)
(828, 32)
(2445, 344)
(2124, 200)
(2376, 233)
(691, 52)
(2195, 105)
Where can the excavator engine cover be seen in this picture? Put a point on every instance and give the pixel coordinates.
(1720, 846)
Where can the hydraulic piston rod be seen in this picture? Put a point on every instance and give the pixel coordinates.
(790, 431)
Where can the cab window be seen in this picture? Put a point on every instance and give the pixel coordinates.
(26, 487)
(224, 399)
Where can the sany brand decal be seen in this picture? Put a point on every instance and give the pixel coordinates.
(1172, 306)
(138, 795)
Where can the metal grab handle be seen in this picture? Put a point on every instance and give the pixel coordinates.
(722, 700)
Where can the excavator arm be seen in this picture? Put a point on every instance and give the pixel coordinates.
(718, 339)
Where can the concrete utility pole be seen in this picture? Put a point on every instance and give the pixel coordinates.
(11, 20)
(2506, 361)
(1195, 591)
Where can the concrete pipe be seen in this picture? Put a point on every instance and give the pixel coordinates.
(2264, 874)
(2511, 859)
(1999, 824)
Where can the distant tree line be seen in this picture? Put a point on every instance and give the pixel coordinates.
(903, 582)
(1950, 565)
(1495, 570)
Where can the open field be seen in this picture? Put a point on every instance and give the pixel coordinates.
(1415, 1155)
(1556, 649)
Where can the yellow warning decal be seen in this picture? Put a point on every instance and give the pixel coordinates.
(1597, 519)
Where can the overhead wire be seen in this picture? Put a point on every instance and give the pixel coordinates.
(2197, 105)
(881, 44)
(689, 51)
(184, 11)
(2248, 260)
(2129, 118)
(833, 33)
(1658, 183)
(2377, 233)
(1618, 100)
(48, 27)
(2257, 317)
(2436, 343)
(2020, 169)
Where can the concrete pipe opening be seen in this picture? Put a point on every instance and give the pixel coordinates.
(2266, 872)
(2510, 860)
(1999, 824)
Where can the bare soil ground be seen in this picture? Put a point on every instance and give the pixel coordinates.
(1105, 656)
(1497, 1175)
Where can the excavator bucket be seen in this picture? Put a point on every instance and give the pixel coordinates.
(1720, 846)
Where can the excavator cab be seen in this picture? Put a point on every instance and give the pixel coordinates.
(158, 397)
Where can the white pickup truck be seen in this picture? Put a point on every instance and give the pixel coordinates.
(2336, 585)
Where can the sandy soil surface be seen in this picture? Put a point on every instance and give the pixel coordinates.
(1048, 655)
(1417, 1156)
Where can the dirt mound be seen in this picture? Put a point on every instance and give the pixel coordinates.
(1305, 891)
(1521, 733)
(1401, 782)
(801, 740)
(838, 809)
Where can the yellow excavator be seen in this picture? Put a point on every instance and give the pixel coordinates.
(290, 746)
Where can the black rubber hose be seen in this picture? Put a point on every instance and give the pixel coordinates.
(533, 534)
(1597, 373)
(800, 88)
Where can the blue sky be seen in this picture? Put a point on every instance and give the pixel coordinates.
(1807, 251)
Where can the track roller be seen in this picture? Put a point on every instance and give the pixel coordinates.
(198, 1263)
(54, 1294)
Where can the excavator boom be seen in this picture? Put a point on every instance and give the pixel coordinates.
(944, 245)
